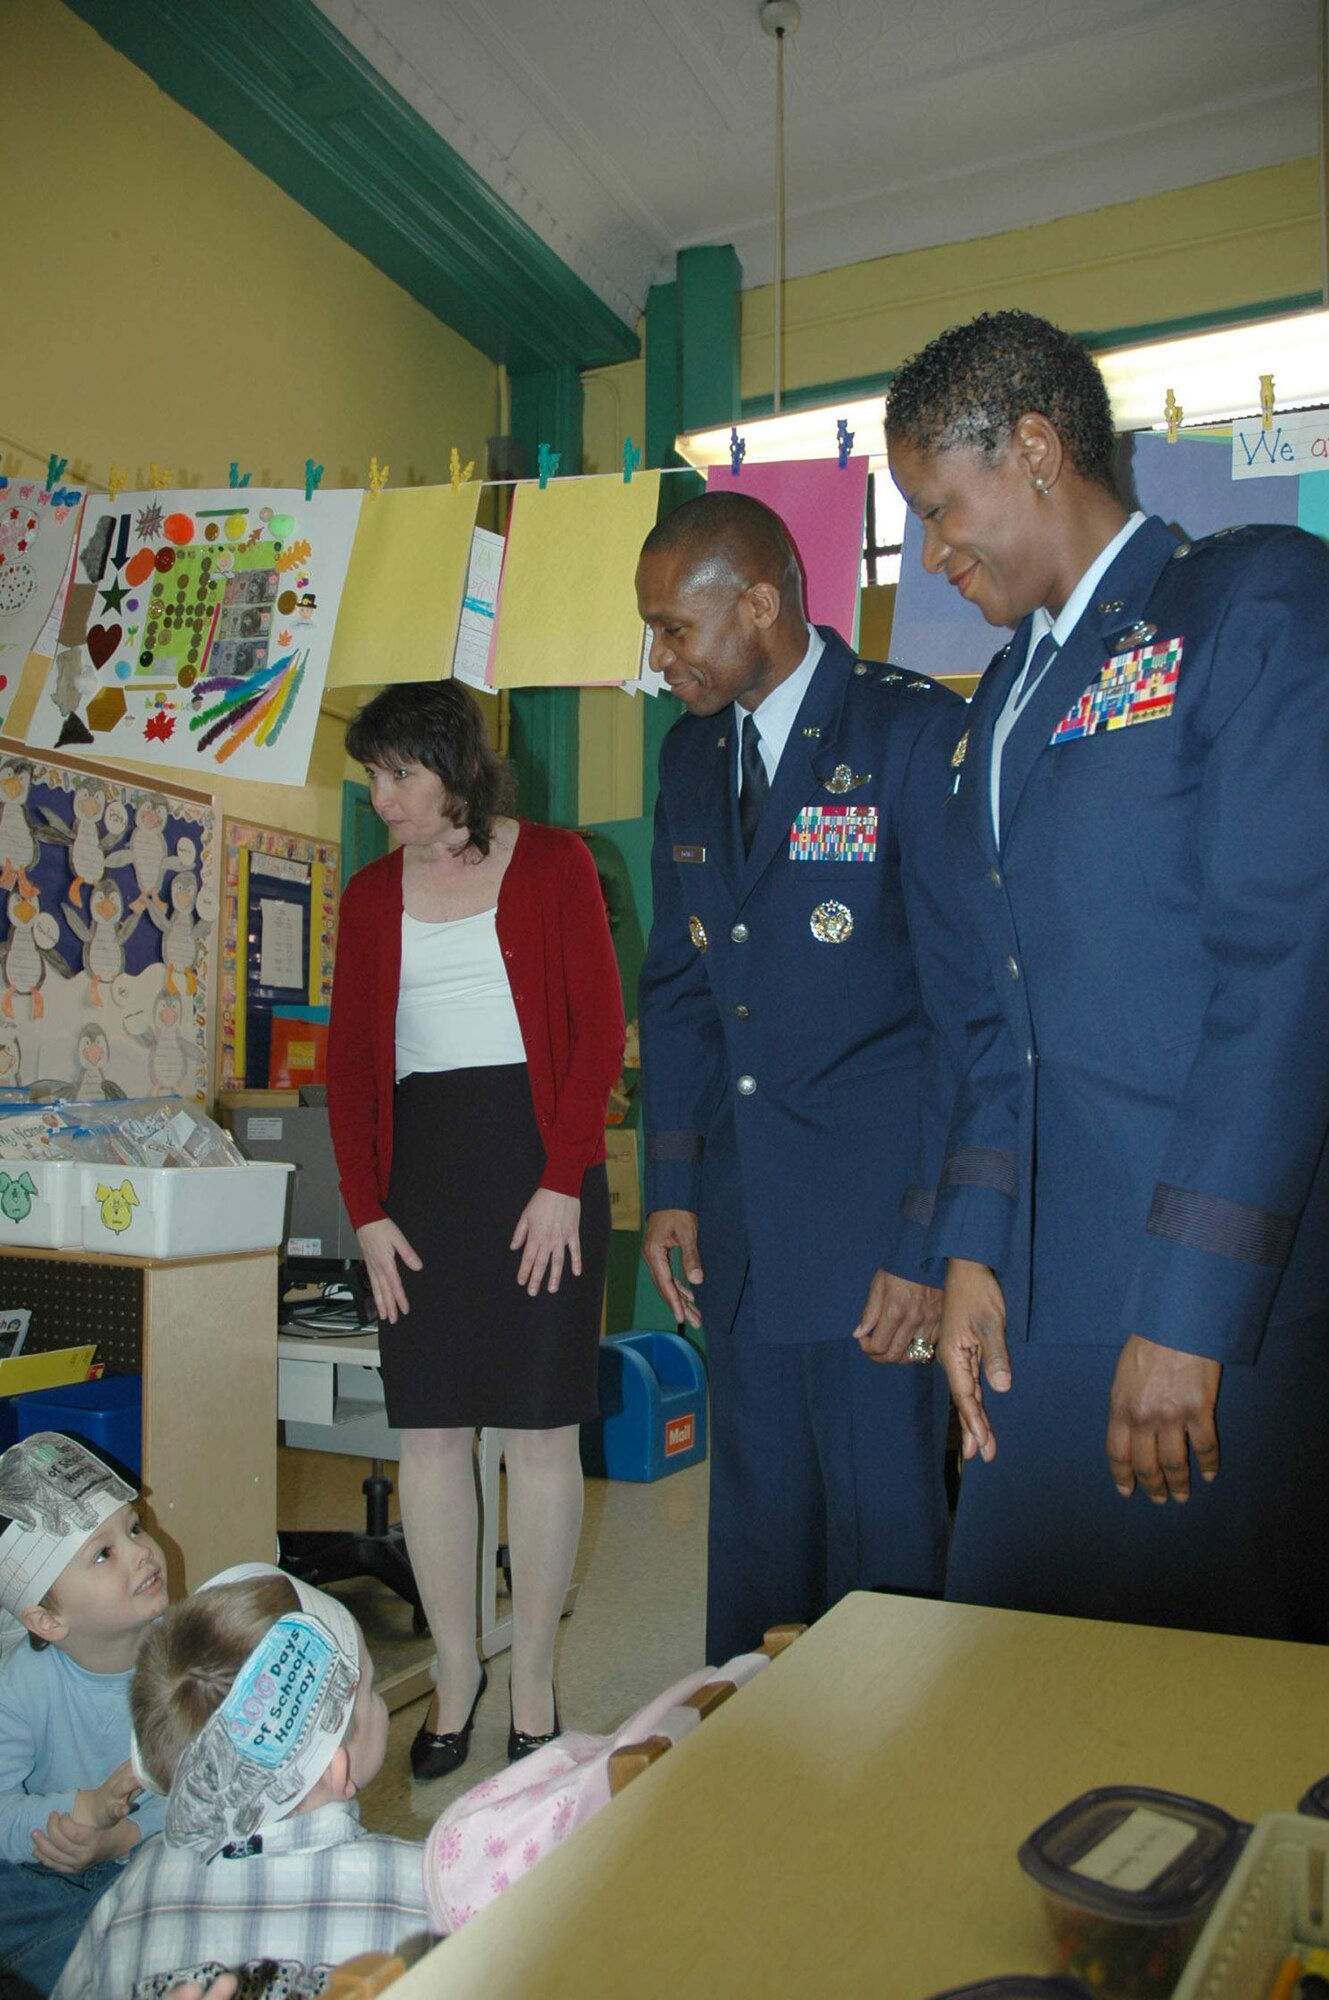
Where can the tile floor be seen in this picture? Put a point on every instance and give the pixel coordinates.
(637, 1624)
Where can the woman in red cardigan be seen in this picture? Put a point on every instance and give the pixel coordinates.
(477, 1028)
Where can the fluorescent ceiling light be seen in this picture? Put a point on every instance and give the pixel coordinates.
(1214, 377)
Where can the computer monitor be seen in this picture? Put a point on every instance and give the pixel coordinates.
(318, 1230)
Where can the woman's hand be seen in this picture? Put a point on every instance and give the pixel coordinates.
(383, 1243)
(549, 1231)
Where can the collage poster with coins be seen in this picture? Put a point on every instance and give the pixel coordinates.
(197, 629)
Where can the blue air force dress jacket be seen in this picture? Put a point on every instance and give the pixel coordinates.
(1138, 1145)
(789, 1070)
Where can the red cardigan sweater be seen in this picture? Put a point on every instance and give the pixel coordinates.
(565, 987)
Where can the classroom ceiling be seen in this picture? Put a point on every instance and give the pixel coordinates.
(623, 130)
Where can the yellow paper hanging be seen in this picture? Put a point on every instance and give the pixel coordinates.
(568, 611)
(403, 593)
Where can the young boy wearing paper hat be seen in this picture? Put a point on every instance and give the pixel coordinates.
(79, 1570)
(254, 1709)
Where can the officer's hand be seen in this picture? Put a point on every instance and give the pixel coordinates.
(669, 1229)
(1162, 1399)
(896, 1312)
(972, 1343)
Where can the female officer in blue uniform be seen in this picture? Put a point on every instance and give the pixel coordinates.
(1133, 1202)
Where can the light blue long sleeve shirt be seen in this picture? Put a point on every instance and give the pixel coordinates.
(62, 1730)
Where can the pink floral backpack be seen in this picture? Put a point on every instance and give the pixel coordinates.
(503, 1826)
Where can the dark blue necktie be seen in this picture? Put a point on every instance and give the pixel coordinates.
(756, 785)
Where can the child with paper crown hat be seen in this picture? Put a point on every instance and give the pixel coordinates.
(254, 1710)
(81, 1573)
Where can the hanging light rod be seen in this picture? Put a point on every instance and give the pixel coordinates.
(779, 19)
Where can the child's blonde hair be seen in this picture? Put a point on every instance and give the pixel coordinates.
(189, 1659)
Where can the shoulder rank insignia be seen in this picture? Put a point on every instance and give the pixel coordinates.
(959, 752)
(832, 923)
(845, 779)
(697, 932)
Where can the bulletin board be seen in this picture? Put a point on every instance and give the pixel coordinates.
(279, 932)
(108, 911)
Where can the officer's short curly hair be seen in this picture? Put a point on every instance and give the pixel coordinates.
(973, 383)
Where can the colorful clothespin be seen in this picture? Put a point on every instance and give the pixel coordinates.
(13, 465)
(378, 478)
(631, 460)
(1173, 414)
(313, 478)
(844, 441)
(458, 473)
(116, 480)
(238, 478)
(738, 451)
(1267, 401)
(54, 470)
(547, 464)
(160, 474)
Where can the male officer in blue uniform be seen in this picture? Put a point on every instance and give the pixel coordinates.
(1140, 836)
(786, 1062)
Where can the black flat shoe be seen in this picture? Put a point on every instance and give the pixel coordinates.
(521, 1745)
(437, 1756)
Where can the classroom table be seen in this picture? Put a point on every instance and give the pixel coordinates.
(848, 1823)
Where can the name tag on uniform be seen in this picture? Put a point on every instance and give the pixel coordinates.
(685, 852)
(834, 833)
(1138, 686)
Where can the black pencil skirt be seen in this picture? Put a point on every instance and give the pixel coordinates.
(474, 1347)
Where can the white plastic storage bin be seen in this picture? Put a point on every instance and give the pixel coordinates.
(41, 1204)
(1276, 1896)
(183, 1211)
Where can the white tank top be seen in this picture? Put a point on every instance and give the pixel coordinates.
(454, 1004)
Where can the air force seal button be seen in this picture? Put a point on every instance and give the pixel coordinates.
(697, 932)
(832, 923)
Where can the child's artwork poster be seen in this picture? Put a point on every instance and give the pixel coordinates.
(269, 874)
(198, 628)
(108, 909)
(38, 524)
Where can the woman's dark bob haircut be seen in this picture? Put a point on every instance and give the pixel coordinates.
(973, 383)
(438, 724)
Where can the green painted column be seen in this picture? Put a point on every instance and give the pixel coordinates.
(710, 297)
(543, 737)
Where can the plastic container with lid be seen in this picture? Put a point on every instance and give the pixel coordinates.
(1128, 1875)
(1315, 1802)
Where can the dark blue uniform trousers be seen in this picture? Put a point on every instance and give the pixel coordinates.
(1042, 1528)
(826, 1477)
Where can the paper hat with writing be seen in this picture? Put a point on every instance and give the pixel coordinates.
(56, 1494)
(262, 1752)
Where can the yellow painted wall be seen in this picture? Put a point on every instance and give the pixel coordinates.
(1219, 247)
(164, 300)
